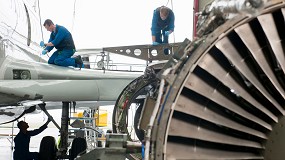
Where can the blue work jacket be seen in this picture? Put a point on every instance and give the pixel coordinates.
(61, 38)
(158, 24)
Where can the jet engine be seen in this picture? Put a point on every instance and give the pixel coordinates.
(223, 95)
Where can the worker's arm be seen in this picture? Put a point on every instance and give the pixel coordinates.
(49, 45)
(38, 131)
(154, 27)
(61, 34)
(171, 23)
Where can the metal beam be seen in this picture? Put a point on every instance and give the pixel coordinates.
(145, 52)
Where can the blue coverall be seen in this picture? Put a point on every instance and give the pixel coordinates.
(159, 26)
(22, 142)
(62, 40)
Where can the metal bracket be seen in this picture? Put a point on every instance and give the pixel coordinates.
(43, 108)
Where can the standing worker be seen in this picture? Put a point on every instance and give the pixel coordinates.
(162, 25)
(22, 141)
(62, 40)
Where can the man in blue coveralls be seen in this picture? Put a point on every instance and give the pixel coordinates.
(62, 40)
(162, 25)
(22, 141)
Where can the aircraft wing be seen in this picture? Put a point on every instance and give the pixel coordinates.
(21, 80)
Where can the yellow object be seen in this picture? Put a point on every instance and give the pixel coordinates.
(79, 114)
(101, 121)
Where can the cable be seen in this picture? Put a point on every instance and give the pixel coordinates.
(16, 19)
(154, 114)
(167, 3)
(40, 20)
(73, 18)
(173, 12)
(29, 110)
(41, 27)
(171, 5)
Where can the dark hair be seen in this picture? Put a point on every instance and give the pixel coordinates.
(48, 22)
(20, 124)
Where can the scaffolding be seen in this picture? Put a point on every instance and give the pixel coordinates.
(85, 127)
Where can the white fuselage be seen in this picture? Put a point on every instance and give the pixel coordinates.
(20, 55)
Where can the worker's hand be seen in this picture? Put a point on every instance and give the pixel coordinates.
(42, 44)
(155, 43)
(167, 33)
(44, 52)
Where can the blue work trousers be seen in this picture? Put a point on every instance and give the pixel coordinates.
(161, 34)
(63, 58)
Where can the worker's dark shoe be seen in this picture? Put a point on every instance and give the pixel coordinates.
(78, 62)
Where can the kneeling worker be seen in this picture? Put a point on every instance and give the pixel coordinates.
(62, 40)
